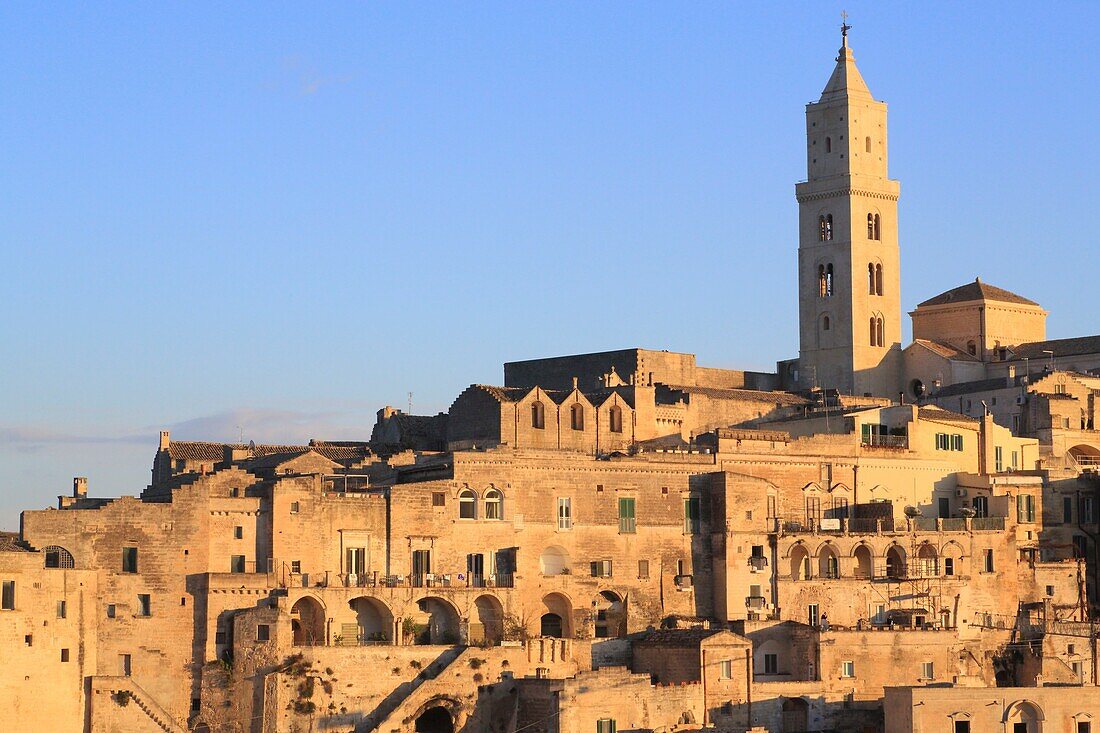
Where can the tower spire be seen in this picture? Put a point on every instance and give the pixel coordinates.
(844, 28)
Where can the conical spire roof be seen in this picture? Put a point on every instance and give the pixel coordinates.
(846, 80)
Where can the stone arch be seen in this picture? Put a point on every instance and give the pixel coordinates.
(828, 563)
(58, 557)
(554, 560)
(307, 620)
(895, 562)
(928, 560)
(796, 715)
(440, 714)
(1025, 712)
(1085, 454)
(201, 727)
(373, 619)
(443, 621)
(610, 611)
(557, 617)
(864, 566)
(800, 562)
(490, 614)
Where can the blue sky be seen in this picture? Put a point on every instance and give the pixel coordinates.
(272, 219)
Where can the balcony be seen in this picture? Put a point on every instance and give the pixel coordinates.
(758, 563)
(374, 580)
(756, 602)
(885, 441)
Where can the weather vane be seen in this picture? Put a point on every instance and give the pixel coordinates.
(844, 27)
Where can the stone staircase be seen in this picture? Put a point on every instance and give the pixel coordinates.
(390, 713)
(449, 675)
(145, 702)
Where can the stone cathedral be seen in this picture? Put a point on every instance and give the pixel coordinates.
(872, 538)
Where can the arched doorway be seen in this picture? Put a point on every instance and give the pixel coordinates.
(895, 562)
(557, 619)
(490, 614)
(827, 564)
(610, 616)
(435, 720)
(307, 619)
(800, 563)
(442, 622)
(865, 563)
(927, 561)
(796, 715)
(373, 621)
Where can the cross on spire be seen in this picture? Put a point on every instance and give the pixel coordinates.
(844, 28)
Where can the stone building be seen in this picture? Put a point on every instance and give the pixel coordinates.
(622, 540)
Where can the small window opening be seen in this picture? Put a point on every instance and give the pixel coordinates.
(576, 417)
(538, 416)
(828, 145)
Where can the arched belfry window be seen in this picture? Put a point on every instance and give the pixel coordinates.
(828, 145)
(878, 279)
(868, 144)
(870, 278)
(878, 232)
(576, 416)
(874, 332)
(870, 226)
(877, 331)
(825, 280)
(828, 227)
(538, 415)
(881, 332)
(615, 418)
(825, 227)
(825, 323)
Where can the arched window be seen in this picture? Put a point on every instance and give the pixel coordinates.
(825, 323)
(821, 282)
(878, 279)
(828, 227)
(878, 233)
(467, 505)
(870, 226)
(874, 332)
(494, 505)
(881, 332)
(615, 418)
(868, 143)
(576, 416)
(870, 278)
(821, 228)
(58, 557)
(828, 145)
(538, 416)
(828, 279)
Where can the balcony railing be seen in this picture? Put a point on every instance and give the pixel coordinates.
(885, 441)
(756, 602)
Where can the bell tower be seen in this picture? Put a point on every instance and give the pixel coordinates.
(848, 261)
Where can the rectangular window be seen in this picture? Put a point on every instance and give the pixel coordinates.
(565, 513)
(64, 655)
(421, 565)
(601, 568)
(813, 618)
(1080, 546)
(1015, 459)
(847, 669)
(956, 442)
(1025, 508)
(143, 607)
(110, 610)
(1084, 726)
(643, 569)
(236, 564)
(605, 725)
(125, 665)
(220, 637)
(941, 441)
(355, 560)
(771, 664)
(1067, 510)
(949, 566)
(987, 563)
(439, 498)
(129, 560)
(238, 533)
(725, 669)
(1015, 424)
(998, 459)
(962, 726)
(7, 596)
(263, 632)
(627, 521)
(296, 566)
(62, 609)
(1087, 512)
(691, 515)
(928, 671)
(294, 507)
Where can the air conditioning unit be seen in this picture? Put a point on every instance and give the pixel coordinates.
(1021, 400)
(960, 493)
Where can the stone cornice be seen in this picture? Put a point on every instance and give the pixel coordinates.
(837, 193)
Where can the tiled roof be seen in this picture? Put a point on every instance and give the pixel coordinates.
(203, 451)
(976, 290)
(1060, 347)
(944, 350)
(10, 542)
(981, 385)
(677, 637)
(751, 395)
(938, 414)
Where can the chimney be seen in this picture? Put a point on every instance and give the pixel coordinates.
(1011, 381)
(165, 439)
(80, 487)
(574, 382)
